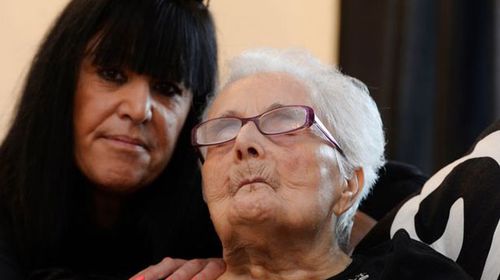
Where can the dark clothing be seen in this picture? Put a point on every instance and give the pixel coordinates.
(457, 212)
(175, 223)
(9, 268)
(401, 258)
(396, 182)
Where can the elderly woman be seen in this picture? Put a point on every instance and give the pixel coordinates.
(289, 148)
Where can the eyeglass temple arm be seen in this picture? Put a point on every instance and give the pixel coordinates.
(198, 153)
(328, 135)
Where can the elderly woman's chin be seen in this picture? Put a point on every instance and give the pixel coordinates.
(254, 203)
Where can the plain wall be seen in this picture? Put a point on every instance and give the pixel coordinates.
(241, 24)
(22, 26)
(244, 24)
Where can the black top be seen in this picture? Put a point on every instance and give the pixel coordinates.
(457, 212)
(396, 182)
(175, 224)
(401, 258)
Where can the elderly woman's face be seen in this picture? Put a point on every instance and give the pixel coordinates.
(287, 181)
(126, 126)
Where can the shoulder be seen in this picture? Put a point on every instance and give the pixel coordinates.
(458, 210)
(404, 258)
(9, 266)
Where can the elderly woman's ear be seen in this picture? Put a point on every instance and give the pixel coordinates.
(351, 188)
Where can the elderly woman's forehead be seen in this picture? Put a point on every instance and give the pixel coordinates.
(260, 90)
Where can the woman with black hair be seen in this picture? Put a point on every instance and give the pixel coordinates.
(97, 175)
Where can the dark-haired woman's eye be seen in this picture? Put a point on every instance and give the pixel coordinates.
(112, 75)
(166, 88)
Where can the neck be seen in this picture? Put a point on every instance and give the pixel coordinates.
(279, 256)
(107, 208)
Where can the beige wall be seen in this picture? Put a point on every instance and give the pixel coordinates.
(311, 24)
(22, 26)
(241, 24)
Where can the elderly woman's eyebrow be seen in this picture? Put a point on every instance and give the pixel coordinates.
(274, 106)
(229, 113)
(232, 113)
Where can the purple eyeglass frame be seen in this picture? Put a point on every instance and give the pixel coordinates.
(311, 119)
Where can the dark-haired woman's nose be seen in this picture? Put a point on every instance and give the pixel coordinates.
(136, 102)
(248, 143)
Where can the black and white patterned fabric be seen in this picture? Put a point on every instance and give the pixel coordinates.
(457, 211)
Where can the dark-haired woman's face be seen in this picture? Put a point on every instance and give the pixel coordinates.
(126, 126)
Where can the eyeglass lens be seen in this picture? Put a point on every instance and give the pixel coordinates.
(276, 121)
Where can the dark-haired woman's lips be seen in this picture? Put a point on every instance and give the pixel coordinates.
(126, 142)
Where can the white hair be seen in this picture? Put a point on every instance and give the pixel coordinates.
(341, 102)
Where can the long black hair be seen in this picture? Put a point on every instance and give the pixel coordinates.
(39, 181)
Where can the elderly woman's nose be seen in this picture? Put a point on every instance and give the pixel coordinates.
(136, 102)
(248, 143)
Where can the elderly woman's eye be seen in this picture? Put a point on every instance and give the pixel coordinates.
(222, 129)
(112, 75)
(166, 88)
(280, 122)
(226, 132)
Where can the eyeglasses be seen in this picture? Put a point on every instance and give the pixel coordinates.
(281, 120)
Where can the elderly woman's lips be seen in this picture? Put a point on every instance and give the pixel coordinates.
(251, 181)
